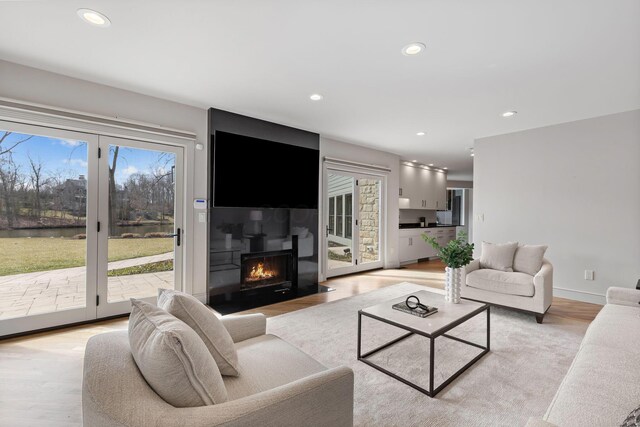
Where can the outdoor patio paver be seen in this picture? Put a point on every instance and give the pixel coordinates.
(63, 289)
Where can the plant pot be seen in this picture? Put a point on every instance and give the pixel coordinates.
(227, 240)
(452, 284)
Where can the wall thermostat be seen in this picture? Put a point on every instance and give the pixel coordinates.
(199, 203)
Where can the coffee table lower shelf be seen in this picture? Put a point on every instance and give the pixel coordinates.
(431, 392)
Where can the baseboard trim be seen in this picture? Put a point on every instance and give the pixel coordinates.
(584, 296)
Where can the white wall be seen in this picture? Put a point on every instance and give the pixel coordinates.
(356, 153)
(43, 87)
(573, 186)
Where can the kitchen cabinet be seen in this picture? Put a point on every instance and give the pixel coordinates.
(422, 188)
(412, 247)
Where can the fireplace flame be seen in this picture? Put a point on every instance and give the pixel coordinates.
(259, 272)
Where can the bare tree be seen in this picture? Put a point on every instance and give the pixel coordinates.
(3, 138)
(9, 184)
(113, 217)
(37, 181)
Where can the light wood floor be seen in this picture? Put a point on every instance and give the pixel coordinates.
(41, 374)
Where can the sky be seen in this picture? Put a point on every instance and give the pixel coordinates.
(69, 157)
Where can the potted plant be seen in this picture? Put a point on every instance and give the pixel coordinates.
(456, 254)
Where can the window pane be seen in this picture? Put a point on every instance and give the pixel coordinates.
(332, 215)
(141, 225)
(348, 209)
(339, 216)
(43, 209)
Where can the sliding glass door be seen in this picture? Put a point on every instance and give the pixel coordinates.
(353, 222)
(86, 222)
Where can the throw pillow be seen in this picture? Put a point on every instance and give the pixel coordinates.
(528, 259)
(204, 321)
(173, 359)
(633, 420)
(498, 256)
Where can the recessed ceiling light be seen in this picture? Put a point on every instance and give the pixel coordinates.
(509, 113)
(315, 97)
(471, 154)
(420, 133)
(414, 161)
(413, 48)
(430, 164)
(445, 168)
(94, 18)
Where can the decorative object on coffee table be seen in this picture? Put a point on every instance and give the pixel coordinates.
(456, 254)
(413, 306)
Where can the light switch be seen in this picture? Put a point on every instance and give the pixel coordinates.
(588, 275)
(202, 217)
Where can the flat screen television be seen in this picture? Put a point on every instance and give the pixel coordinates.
(253, 172)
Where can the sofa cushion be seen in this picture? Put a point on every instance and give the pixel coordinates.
(266, 362)
(173, 359)
(600, 389)
(501, 282)
(498, 256)
(528, 258)
(204, 321)
(618, 318)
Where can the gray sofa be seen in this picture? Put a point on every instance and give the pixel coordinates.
(521, 291)
(602, 385)
(279, 385)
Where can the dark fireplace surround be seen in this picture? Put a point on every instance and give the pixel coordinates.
(260, 255)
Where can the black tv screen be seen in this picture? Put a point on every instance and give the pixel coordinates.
(252, 172)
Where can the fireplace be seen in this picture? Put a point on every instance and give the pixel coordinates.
(262, 269)
(263, 244)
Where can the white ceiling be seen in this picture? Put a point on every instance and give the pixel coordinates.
(551, 60)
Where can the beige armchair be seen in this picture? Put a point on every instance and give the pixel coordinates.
(279, 386)
(520, 291)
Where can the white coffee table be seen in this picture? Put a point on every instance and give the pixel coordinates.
(449, 316)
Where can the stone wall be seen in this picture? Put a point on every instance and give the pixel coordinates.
(369, 220)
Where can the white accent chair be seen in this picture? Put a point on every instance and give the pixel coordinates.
(515, 290)
(280, 386)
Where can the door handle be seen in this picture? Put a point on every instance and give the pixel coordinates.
(177, 236)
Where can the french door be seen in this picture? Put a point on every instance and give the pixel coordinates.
(140, 217)
(354, 222)
(86, 222)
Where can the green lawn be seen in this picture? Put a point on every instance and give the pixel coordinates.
(152, 267)
(21, 255)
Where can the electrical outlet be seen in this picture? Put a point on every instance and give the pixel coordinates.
(588, 275)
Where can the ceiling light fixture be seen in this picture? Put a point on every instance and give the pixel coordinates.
(445, 168)
(414, 161)
(94, 18)
(413, 48)
(420, 133)
(316, 97)
(430, 164)
(509, 113)
(471, 154)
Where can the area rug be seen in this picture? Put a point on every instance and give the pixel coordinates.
(515, 381)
